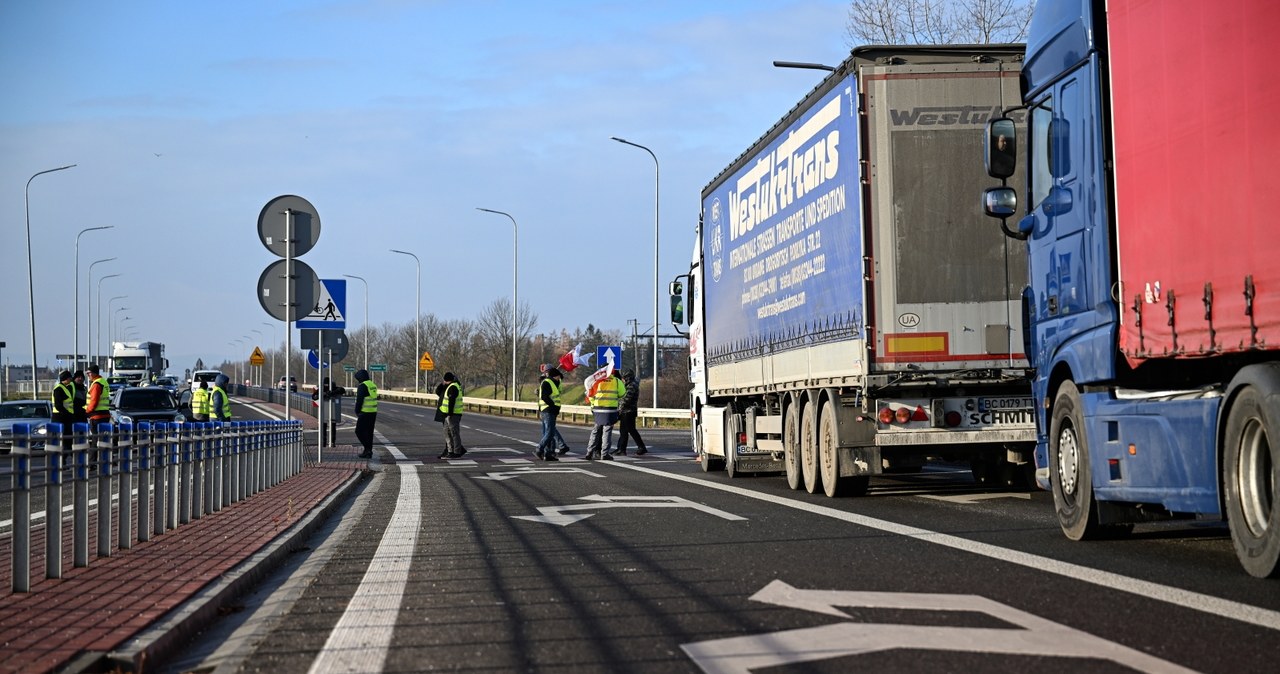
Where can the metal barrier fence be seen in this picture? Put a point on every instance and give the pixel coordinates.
(180, 472)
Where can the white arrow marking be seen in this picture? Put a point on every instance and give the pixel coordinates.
(1027, 634)
(969, 499)
(556, 514)
(531, 470)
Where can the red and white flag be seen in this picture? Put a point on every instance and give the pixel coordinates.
(571, 360)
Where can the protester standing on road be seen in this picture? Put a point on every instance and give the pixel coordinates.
(200, 406)
(98, 403)
(64, 406)
(219, 402)
(366, 411)
(450, 405)
(561, 445)
(628, 409)
(604, 397)
(82, 396)
(548, 410)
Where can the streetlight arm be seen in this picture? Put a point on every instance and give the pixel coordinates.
(31, 285)
(417, 317)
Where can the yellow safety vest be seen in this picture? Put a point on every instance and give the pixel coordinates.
(555, 394)
(69, 403)
(225, 413)
(370, 402)
(444, 400)
(104, 397)
(608, 393)
(200, 401)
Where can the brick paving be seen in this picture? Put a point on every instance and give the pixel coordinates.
(74, 623)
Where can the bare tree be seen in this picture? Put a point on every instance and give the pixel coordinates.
(938, 21)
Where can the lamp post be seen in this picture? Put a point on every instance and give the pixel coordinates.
(656, 280)
(417, 345)
(515, 289)
(98, 328)
(366, 317)
(75, 342)
(273, 352)
(88, 324)
(31, 286)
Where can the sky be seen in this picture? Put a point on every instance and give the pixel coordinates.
(396, 120)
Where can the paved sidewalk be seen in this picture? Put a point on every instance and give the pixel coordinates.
(96, 618)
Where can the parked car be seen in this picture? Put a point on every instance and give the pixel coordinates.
(38, 413)
(133, 404)
(292, 384)
(167, 382)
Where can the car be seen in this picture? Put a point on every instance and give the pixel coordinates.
(38, 413)
(134, 404)
(117, 383)
(206, 376)
(293, 384)
(167, 382)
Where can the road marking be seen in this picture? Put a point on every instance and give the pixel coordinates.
(360, 640)
(1026, 634)
(461, 463)
(1204, 603)
(533, 470)
(494, 449)
(512, 462)
(504, 437)
(969, 499)
(556, 514)
(395, 451)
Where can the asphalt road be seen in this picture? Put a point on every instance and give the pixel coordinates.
(499, 563)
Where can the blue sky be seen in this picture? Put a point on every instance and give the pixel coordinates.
(396, 119)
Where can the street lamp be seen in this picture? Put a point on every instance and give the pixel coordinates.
(31, 286)
(98, 328)
(75, 350)
(88, 325)
(274, 340)
(366, 317)
(656, 281)
(417, 345)
(515, 289)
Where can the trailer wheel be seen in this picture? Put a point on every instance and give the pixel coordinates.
(828, 442)
(709, 464)
(791, 445)
(809, 449)
(730, 449)
(1249, 484)
(1069, 464)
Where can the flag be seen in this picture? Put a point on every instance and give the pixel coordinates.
(571, 360)
(596, 377)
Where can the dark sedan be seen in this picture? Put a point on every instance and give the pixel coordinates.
(134, 404)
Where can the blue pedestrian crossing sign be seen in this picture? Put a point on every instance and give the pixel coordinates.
(605, 352)
(330, 311)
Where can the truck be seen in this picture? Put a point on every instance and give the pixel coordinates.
(138, 362)
(850, 309)
(1153, 297)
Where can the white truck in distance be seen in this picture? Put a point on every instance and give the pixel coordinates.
(138, 362)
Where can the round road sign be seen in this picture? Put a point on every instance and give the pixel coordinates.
(274, 287)
(288, 218)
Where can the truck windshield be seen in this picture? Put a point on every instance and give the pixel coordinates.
(131, 362)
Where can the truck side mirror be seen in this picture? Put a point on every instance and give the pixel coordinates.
(675, 288)
(1001, 156)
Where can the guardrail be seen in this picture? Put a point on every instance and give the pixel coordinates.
(180, 472)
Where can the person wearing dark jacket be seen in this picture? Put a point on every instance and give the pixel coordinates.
(450, 406)
(628, 409)
(82, 396)
(366, 411)
(64, 400)
(548, 410)
(219, 401)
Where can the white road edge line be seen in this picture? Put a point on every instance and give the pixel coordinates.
(362, 637)
(1245, 613)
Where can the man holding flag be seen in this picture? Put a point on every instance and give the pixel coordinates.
(604, 391)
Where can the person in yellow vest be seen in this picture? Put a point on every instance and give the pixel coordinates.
(548, 410)
(604, 397)
(200, 402)
(450, 405)
(98, 402)
(64, 407)
(219, 401)
(366, 411)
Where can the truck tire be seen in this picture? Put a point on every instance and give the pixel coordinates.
(730, 449)
(809, 449)
(829, 456)
(791, 445)
(1249, 460)
(1069, 467)
(709, 463)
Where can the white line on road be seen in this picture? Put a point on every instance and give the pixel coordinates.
(360, 640)
(395, 451)
(1245, 613)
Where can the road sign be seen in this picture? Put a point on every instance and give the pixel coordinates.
(425, 363)
(330, 309)
(313, 359)
(348, 368)
(302, 225)
(606, 353)
(257, 358)
(274, 286)
(378, 367)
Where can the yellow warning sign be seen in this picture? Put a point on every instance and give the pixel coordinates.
(425, 362)
(257, 358)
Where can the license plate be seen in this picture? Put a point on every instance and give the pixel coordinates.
(1003, 404)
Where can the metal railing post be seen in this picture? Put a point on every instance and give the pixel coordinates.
(21, 561)
(175, 476)
(145, 441)
(184, 476)
(103, 445)
(125, 439)
(80, 494)
(53, 501)
(159, 452)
